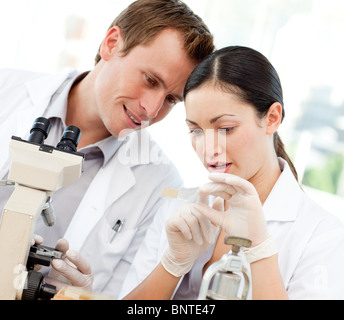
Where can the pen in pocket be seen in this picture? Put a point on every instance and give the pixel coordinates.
(117, 228)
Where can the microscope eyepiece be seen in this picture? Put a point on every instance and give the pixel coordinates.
(39, 130)
(70, 139)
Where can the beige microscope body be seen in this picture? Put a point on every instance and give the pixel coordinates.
(38, 171)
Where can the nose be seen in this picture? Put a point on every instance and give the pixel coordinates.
(152, 103)
(210, 147)
(214, 146)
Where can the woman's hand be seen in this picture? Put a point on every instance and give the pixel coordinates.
(189, 233)
(243, 214)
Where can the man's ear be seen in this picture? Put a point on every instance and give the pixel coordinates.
(112, 43)
(273, 118)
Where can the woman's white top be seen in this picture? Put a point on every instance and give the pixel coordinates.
(310, 242)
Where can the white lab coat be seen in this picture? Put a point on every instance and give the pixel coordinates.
(125, 191)
(310, 243)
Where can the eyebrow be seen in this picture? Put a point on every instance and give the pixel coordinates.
(214, 119)
(180, 98)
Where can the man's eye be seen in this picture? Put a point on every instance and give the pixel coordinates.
(171, 99)
(150, 81)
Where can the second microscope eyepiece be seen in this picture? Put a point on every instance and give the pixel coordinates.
(40, 130)
(70, 139)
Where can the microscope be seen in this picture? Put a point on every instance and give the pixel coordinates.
(36, 170)
(228, 278)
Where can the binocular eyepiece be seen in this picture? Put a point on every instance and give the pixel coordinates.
(40, 130)
(68, 143)
(69, 140)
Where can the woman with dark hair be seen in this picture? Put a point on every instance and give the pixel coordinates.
(234, 107)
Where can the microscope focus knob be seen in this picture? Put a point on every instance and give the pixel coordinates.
(36, 288)
(237, 243)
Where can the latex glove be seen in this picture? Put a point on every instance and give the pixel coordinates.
(73, 270)
(243, 215)
(36, 240)
(189, 233)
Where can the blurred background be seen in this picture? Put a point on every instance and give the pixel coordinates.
(301, 38)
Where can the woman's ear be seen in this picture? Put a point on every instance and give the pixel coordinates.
(273, 118)
(112, 43)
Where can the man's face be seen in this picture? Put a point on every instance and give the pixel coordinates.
(141, 88)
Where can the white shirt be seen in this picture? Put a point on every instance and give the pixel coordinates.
(310, 243)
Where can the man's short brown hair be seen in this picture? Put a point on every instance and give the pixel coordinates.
(142, 20)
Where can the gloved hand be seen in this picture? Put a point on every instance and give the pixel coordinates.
(189, 234)
(243, 214)
(36, 240)
(73, 270)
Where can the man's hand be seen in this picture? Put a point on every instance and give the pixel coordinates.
(73, 270)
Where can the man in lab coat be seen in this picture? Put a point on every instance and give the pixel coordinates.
(141, 68)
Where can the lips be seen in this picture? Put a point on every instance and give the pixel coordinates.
(136, 122)
(219, 167)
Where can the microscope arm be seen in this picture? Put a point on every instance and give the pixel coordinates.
(38, 171)
(16, 232)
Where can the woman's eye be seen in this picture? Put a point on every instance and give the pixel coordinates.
(196, 132)
(225, 130)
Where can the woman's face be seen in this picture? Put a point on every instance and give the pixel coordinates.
(226, 133)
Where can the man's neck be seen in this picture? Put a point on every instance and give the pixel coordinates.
(82, 111)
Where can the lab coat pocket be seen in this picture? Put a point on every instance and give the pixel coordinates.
(108, 251)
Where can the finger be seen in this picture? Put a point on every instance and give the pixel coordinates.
(216, 217)
(70, 273)
(217, 189)
(62, 245)
(219, 204)
(202, 197)
(193, 223)
(178, 224)
(207, 229)
(79, 261)
(240, 184)
(36, 240)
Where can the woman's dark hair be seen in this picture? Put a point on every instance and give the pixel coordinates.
(250, 76)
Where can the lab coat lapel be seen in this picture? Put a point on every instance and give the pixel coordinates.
(111, 182)
(34, 103)
(40, 91)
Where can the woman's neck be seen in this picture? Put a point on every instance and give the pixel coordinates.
(266, 178)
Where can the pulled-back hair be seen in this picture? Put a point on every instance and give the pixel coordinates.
(142, 20)
(250, 76)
